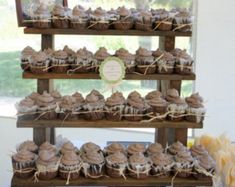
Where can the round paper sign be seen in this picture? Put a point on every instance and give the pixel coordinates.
(112, 70)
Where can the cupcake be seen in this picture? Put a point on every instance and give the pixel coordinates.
(100, 56)
(128, 59)
(93, 164)
(136, 107)
(177, 107)
(90, 147)
(49, 53)
(67, 148)
(84, 60)
(143, 21)
(165, 62)
(70, 166)
(71, 54)
(94, 106)
(28, 146)
(99, 20)
(139, 166)
(25, 57)
(47, 165)
(198, 150)
(60, 62)
(46, 146)
(60, 17)
(204, 166)
(56, 95)
(184, 63)
(39, 63)
(163, 21)
(26, 109)
(184, 164)
(114, 106)
(182, 21)
(79, 18)
(42, 17)
(176, 147)
(114, 148)
(195, 111)
(145, 61)
(162, 165)
(116, 165)
(158, 104)
(23, 163)
(125, 20)
(154, 148)
(136, 148)
(46, 107)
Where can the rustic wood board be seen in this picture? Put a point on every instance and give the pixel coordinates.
(110, 32)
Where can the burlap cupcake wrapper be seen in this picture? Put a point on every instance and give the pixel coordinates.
(140, 171)
(99, 25)
(118, 172)
(90, 170)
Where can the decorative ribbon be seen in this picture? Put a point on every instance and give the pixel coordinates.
(182, 26)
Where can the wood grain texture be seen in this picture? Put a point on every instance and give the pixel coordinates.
(110, 32)
(105, 124)
(150, 181)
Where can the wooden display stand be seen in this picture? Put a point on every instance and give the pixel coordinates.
(166, 132)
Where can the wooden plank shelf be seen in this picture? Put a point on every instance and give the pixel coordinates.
(150, 181)
(105, 124)
(28, 75)
(110, 32)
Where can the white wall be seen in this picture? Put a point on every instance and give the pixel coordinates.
(216, 64)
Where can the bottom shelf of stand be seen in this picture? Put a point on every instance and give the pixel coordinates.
(150, 181)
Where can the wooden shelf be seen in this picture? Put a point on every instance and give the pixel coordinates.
(151, 181)
(28, 75)
(105, 124)
(110, 32)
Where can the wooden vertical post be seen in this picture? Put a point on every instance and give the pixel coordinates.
(41, 135)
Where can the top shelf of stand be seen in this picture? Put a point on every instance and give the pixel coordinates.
(110, 32)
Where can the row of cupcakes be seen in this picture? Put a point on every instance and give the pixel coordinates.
(154, 106)
(83, 61)
(121, 19)
(115, 160)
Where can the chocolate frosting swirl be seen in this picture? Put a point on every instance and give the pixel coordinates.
(184, 157)
(174, 97)
(124, 55)
(116, 158)
(115, 99)
(138, 158)
(102, 54)
(28, 146)
(79, 11)
(114, 147)
(84, 53)
(60, 54)
(136, 148)
(135, 100)
(158, 53)
(59, 10)
(69, 51)
(206, 162)
(123, 11)
(143, 52)
(90, 147)
(93, 157)
(46, 146)
(68, 103)
(195, 101)
(70, 159)
(27, 52)
(42, 10)
(177, 147)
(198, 150)
(24, 156)
(39, 57)
(56, 94)
(27, 102)
(157, 102)
(34, 96)
(153, 94)
(99, 12)
(45, 99)
(47, 158)
(162, 159)
(79, 98)
(67, 147)
(154, 148)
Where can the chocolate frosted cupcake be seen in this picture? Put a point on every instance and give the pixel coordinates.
(23, 163)
(195, 111)
(84, 60)
(145, 61)
(28, 146)
(71, 54)
(47, 165)
(26, 109)
(162, 165)
(90, 147)
(113, 148)
(198, 150)
(60, 17)
(94, 106)
(128, 59)
(39, 63)
(183, 20)
(125, 21)
(136, 107)
(25, 57)
(136, 148)
(154, 148)
(46, 146)
(176, 147)
(100, 56)
(93, 164)
(67, 148)
(144, 21)
(165, 62)
(46, 107)
(79, 18)
(56, 95)
(114, 106)
(184, 164)
(158, 104)
(163, 21)
(70, 166)
(42, 17)
(99, 20)
(139, 166)
(60, 62)
(177, 106)
(116, 165)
